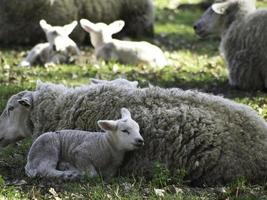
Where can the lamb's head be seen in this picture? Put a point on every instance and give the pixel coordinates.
(220, 15)
(101, 33)
(15, 119)
(124, 133)
(58, 36)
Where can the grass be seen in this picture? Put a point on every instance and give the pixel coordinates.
(194, 64)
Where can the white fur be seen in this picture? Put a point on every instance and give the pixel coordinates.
(127, 52)
(59, 48)
(68, 154)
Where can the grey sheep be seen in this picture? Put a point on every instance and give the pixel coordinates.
(243, 40)
(21, 17)
(68, 154)
(213, 139)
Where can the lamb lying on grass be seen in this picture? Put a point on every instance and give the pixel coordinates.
(126, 52)
(243, 40)
(59, 48)
(98, 153)
(213, 139)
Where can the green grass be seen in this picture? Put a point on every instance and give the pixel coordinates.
(194, 64)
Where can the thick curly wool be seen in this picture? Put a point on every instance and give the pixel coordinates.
(244, 48)
(139, 17)
(215, 140)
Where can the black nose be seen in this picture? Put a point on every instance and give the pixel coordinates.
(139, 141)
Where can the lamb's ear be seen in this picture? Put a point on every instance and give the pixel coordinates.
(107, 125)
(26, 100)
(44, 25)
(220, 8)
(70, 27)
(116, 26)
(125, 113)
(88, 26)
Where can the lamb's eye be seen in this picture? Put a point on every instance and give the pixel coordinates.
(125, 131)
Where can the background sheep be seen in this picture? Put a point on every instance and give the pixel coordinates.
(78, 152)
(23, 24)
(213, 139)
(127, 52)
(59, 48)
(243, 40)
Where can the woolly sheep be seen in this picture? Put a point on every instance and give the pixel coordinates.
(95, 153)
(213, 139)
(127, 52)
(243, 40)
(59, 48)
(139, 17)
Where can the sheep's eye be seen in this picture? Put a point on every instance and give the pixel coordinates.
(125, 131)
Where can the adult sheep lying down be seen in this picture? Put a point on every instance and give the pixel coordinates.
(214, 139)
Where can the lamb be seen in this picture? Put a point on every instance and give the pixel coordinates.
(59, 48)
(126, 52)
(77, 152)
(243, 40)
(213, 139)
(139, 17)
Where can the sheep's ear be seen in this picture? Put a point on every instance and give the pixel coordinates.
(125, 113)
(44, 25)
(116, 26)
(26, 100)
(88, 26)
(107, 125)
(70, 27)
(220, 8)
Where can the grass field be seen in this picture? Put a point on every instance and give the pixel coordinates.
(194, 64)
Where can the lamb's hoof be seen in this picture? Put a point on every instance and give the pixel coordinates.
(24, 64)
(71, 175)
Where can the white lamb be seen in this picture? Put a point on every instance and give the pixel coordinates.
(59, 48)
(68, 154)
(126, 52)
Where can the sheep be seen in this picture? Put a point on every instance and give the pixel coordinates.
(139, 16)
(59, 48)
(126, 52)
(213, 139)
(243, 40)
(94, 153)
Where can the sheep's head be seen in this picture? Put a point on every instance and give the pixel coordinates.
(58, 36)
(15, 119)
(220, 15)
(101, 33)
(124, 132)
